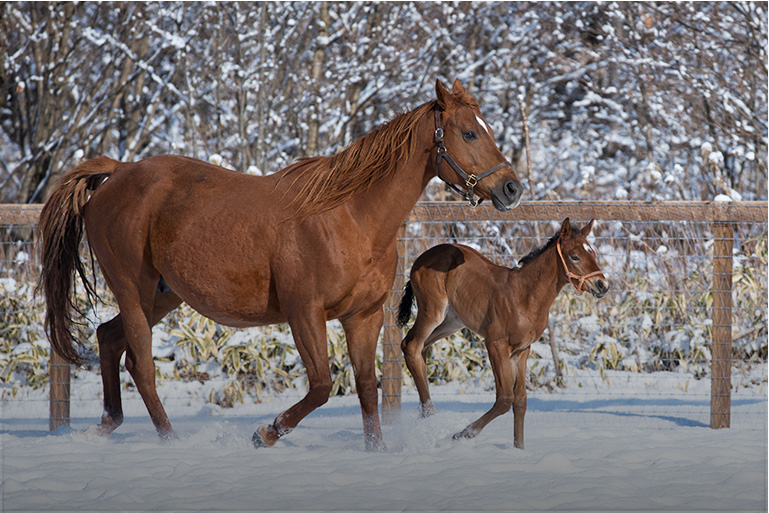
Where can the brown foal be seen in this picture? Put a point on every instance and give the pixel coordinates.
(456, 287)
(312, 242)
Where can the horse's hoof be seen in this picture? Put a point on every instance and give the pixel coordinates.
(426, 410)
(465, 434)
(168, 436)
(262, 438)
(375, 445)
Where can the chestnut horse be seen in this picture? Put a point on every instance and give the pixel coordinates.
(456, 287)
(310, 243)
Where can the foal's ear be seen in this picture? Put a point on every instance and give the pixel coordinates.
(443, 94)
(458, 89)
(585, 231)
(565, 227)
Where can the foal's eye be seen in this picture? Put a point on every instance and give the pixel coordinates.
(469, 136)
(575, 258)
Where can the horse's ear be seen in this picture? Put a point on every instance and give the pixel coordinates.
(443, 94)
(565, 227)
(458, 89)
(585, 231)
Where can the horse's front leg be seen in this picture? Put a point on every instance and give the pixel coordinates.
(362, 333)
(308, 327)
(499, 357)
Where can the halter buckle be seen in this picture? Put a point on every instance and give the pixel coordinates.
(471, 181)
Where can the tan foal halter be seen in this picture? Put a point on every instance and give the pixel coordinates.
(572, 276)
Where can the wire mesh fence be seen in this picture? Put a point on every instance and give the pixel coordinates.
(646, 350)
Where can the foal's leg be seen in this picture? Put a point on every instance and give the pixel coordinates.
(308, 327)
(362, 332)
(518, 366)
(112, 345)
(414, 345)
(499, 356)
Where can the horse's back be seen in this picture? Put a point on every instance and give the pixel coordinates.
(175, 176)
(171, 195)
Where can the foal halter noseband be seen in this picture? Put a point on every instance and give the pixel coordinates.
(570, 275)
(471, 180)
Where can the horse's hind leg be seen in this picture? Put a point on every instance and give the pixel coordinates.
(112, 345)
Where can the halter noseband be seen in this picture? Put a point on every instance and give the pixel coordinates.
(471, 180)
(570, 275)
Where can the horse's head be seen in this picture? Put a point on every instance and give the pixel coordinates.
(579, 259)
(468, 158)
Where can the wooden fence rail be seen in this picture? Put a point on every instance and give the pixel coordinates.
(722, 217)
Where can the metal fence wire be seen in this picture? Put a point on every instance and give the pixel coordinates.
(645, 350)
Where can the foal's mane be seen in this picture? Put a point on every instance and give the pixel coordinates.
(536, 252)
(330, 181)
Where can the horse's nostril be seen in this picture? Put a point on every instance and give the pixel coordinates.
(511, 190)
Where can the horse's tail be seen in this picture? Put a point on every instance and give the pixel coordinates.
(404, 310)
(60, 232)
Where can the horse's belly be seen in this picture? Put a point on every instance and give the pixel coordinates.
(237, 316)
(238, 303)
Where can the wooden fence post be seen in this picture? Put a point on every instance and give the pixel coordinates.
(392, 378)
(721, 359)
(58, 392)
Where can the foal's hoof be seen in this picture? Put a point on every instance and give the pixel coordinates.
(262, 438)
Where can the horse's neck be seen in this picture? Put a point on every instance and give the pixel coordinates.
(544, 278)
(381, 210)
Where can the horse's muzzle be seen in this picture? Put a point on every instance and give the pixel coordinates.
(508, 197)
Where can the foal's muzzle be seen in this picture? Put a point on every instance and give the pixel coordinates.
(599, 288)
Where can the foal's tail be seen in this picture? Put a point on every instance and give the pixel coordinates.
(404, 310)
(61, 230)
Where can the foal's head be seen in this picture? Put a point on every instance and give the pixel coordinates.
(578, 259)
(469, 141)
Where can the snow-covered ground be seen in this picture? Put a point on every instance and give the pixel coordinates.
(631, 451)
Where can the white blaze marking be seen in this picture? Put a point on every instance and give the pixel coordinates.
(587, 247)
(482, 123)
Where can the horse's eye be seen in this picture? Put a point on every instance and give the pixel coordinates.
(469, 136)
(575, 258)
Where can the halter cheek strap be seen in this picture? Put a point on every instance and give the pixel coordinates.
(572, 276)
(471, 180)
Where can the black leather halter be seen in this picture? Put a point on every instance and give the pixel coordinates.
(471, 180)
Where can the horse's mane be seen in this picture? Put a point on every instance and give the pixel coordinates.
(536, 252)
(330, 181)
